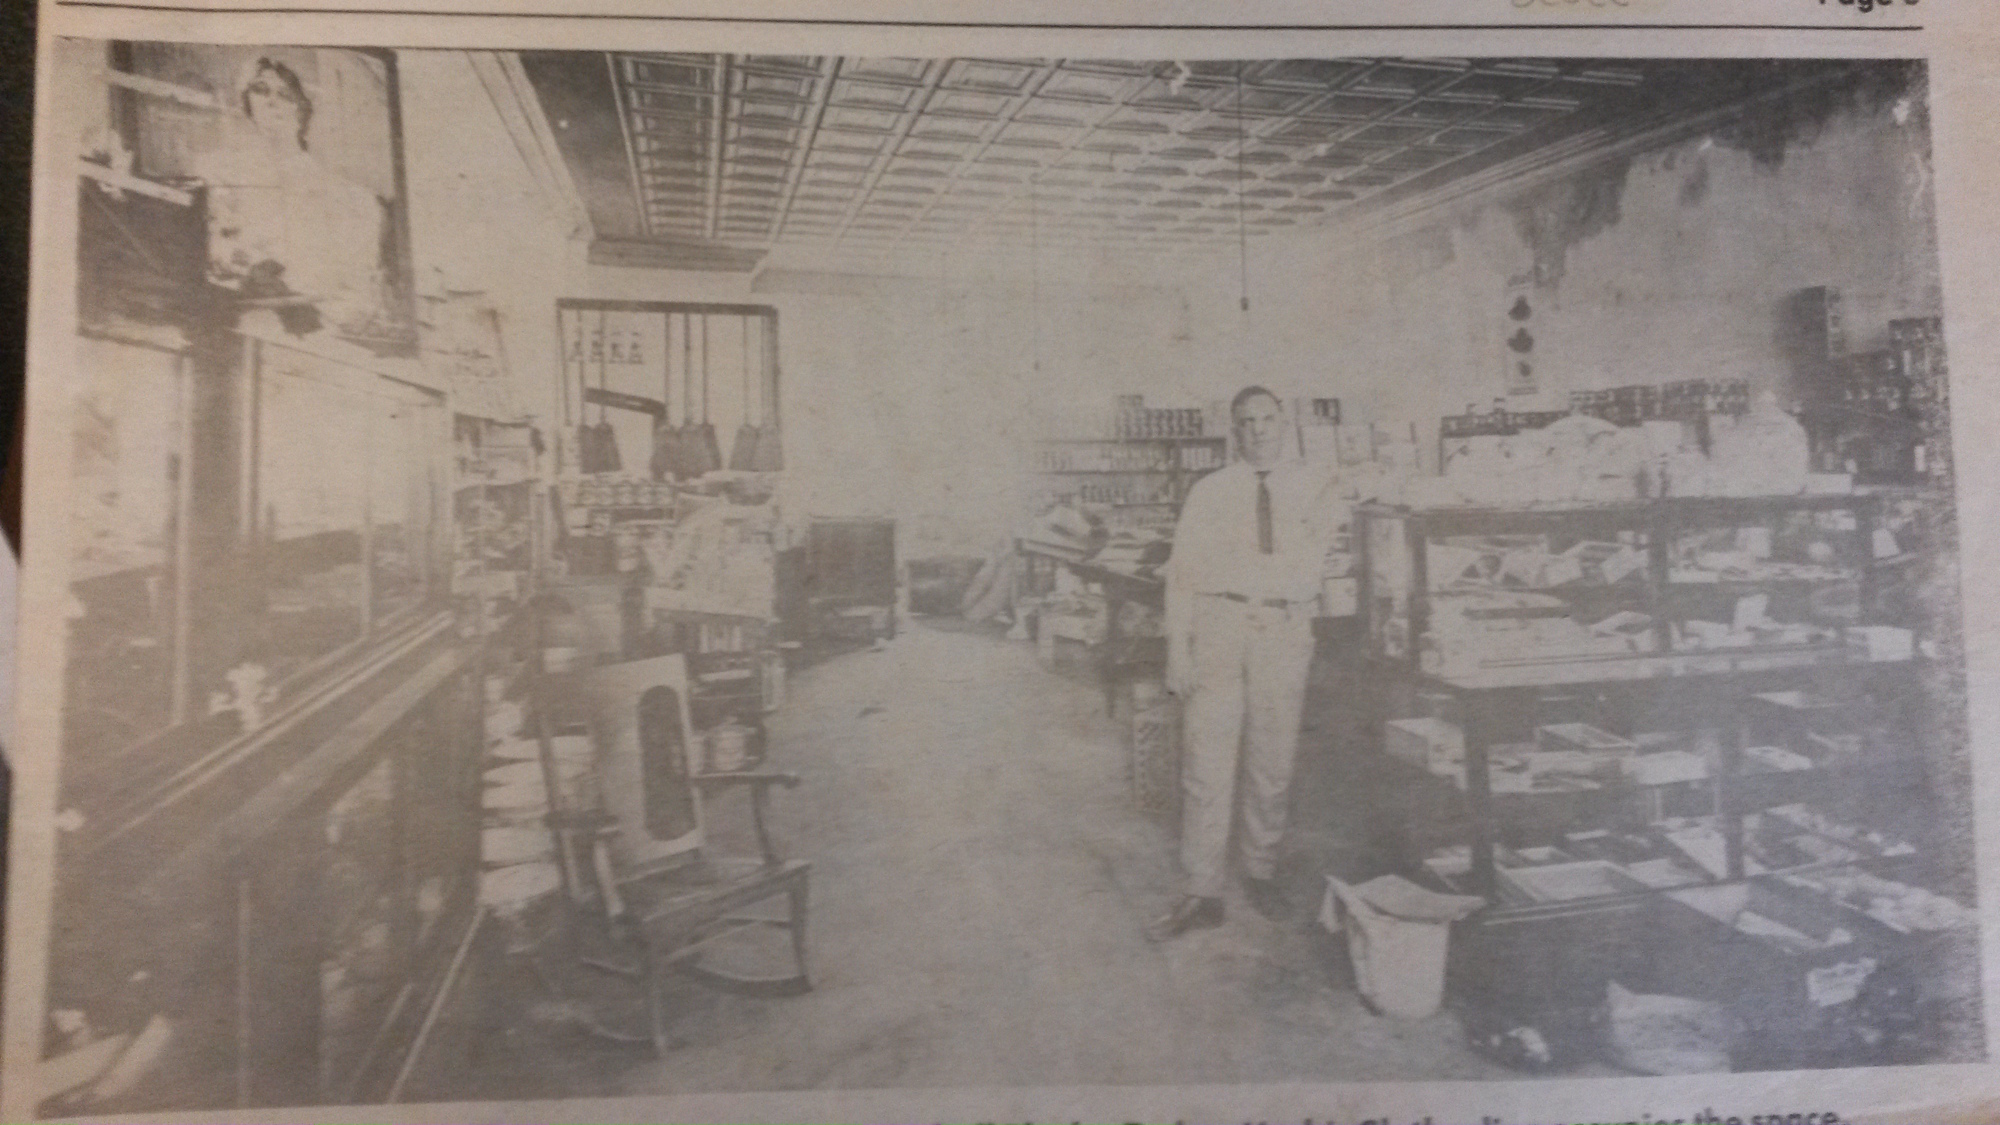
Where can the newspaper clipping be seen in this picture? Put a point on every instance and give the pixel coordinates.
(1299, 563)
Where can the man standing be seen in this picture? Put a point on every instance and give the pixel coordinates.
(1242, 590)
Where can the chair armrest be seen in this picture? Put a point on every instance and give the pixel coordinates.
(760, 779)
(760, 783)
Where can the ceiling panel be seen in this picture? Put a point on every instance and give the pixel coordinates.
(756, 151)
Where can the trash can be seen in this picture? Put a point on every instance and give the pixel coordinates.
(1397, 935)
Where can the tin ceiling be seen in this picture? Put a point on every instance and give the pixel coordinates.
(745, 153)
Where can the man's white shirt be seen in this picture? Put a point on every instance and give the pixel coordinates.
(1215, 541)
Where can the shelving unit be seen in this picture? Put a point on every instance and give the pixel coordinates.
(1125, 477)
(493, 501)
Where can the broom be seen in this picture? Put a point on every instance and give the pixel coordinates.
(743, 455)
(666, 439)
(770, 456)
(707, 449)
(597, 445)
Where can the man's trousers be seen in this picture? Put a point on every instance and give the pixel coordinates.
(1249, 663)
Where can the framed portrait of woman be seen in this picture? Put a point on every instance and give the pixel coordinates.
(297, 152)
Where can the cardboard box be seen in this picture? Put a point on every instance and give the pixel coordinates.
(1579, 749)
(1583, 738)
(1777, 956)
(1880, 642)
(1566, 882)
(1666, 767)
(1429, 744)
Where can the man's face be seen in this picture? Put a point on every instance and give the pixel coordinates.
(1259, 431)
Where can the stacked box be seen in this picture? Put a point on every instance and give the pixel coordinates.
(1429, 744)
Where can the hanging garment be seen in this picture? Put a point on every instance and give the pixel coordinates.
(743, 454)
(769, 456)
(666, 451)
(597, 448)
(687, 441)
(667, 455)
(708, 451)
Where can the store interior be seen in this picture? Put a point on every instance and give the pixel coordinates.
(686, 615)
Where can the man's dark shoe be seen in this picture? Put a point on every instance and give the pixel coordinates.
(1267, 898)
(1190, 913)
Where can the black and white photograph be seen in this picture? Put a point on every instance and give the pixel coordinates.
(626, 574)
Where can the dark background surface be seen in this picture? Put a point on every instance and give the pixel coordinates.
(17, 88)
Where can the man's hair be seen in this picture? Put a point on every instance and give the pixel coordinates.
(1248, 393)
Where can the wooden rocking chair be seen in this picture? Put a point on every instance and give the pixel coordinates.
(637, 858)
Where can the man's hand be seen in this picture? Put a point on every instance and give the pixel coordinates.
(1180, 665)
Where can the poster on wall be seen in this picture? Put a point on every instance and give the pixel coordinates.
(1519, 360)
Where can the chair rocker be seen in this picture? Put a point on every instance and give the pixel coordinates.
(662, 898)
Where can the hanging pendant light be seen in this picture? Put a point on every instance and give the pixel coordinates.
(1242, 221)
(1034, 271)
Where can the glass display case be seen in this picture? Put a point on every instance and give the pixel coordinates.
(128, 599)
(337, 554)
(1461, 589)
(193, 611)
(1621, 722)
(272, 730)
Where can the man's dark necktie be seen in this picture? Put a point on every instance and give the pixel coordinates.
(1264, 544)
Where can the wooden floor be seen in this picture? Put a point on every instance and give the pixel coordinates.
(980, 884)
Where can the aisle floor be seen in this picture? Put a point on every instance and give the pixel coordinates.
(980, 884)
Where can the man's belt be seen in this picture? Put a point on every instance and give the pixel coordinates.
(1268, 603)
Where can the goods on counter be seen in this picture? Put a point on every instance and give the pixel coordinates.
(1811, 819)
(938, 585)
(1581, 738)
(1665, 767)
(1774, 759)
(1699, 840)
(1697, 635)
(1082, 617)
(1772, 841)
(1545, 764)
(1575, 458)
(1523, 769)
(1595, 862)
(1064, 532)
(608, 491)
(1137, 421)
(1489, 627)
(1134, 551)
(1427, 743)
(1450, 864)
(718, 559)
(1880, 642)
(1525, 562)
(1763, 453)
(1563, 882)
(1662, 873)
(1616, 450)
(1776, 919)
(1899, 906)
